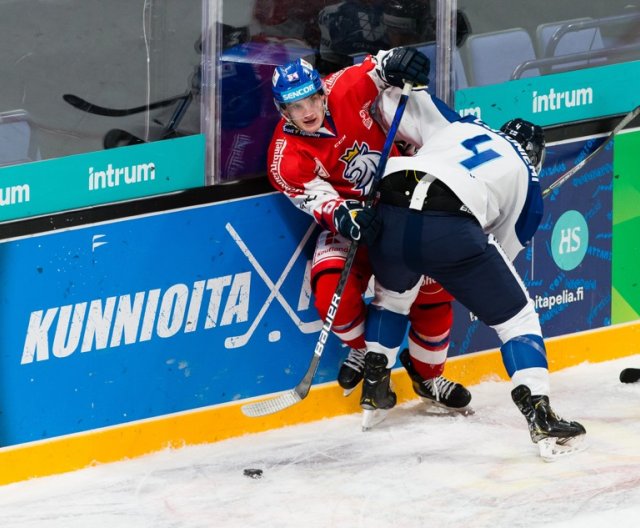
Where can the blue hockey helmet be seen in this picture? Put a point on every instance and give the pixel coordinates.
(294, 81)
(530, 137)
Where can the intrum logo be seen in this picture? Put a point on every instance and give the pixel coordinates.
(15, 194)
(562, 99)
(474, 111)
(115, 176)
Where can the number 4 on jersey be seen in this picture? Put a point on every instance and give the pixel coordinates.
(479, 157)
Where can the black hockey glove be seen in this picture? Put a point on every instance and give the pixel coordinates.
(356, 222)
(405, 64)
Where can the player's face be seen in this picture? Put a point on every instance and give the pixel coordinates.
(307, 114)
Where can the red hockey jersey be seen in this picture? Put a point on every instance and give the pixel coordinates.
(318, 171)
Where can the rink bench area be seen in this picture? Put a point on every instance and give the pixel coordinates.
(215, 423)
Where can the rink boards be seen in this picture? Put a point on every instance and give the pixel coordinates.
(127, 337)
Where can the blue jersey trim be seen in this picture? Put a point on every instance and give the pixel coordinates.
(522, 352)
(445, 110)
(385, 327)
(531, 214)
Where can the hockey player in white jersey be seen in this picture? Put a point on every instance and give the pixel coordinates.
(460, 211)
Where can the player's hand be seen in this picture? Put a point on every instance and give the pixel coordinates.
(356, 222)
(405, 64)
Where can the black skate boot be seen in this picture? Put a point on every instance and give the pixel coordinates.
(440, 391)
(377, 397)
(351, 371)
(376, 387)
(554, 435)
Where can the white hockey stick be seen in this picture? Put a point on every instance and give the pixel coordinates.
(306, 328)
(623, 123)
(300, 391)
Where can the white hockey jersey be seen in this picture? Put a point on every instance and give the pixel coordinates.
(488, 172)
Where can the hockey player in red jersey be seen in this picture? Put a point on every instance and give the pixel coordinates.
(323, 156)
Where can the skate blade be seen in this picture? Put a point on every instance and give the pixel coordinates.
(433, 408)
(554, 449)
(372, 417)
(346, 392)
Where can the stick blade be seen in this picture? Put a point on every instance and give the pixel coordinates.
(272, 405)
(77, 102)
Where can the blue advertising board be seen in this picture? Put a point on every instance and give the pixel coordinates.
(140, 318)
(144, 317)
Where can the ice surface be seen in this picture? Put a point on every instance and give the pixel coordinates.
(411, 471)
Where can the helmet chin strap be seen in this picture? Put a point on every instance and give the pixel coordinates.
(324, 110)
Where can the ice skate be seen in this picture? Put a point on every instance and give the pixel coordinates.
(441, 395)
(377, 396)
(351, 371)
(554, 436)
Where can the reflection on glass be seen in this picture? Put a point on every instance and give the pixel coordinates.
(84, 75)
(510, 40)
(88, 74)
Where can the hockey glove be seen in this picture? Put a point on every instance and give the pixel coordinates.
(405, 64)
(356, 222)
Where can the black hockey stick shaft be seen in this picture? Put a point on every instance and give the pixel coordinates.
(301, 390)
(630, 375)
(177, 116)
(86, 106)
(623, 123)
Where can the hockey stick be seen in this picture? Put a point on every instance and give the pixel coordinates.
(301, 390)
(121, 138)
(630, 375)
(86, 106)
(117, 137)
(623, 123)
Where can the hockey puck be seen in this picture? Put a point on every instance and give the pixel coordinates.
(630, 375)
(253, 473)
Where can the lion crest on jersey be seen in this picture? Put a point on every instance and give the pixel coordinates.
(361, 164)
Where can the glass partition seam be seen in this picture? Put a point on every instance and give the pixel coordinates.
(209, 112)
(445, 45)
(146, 21)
